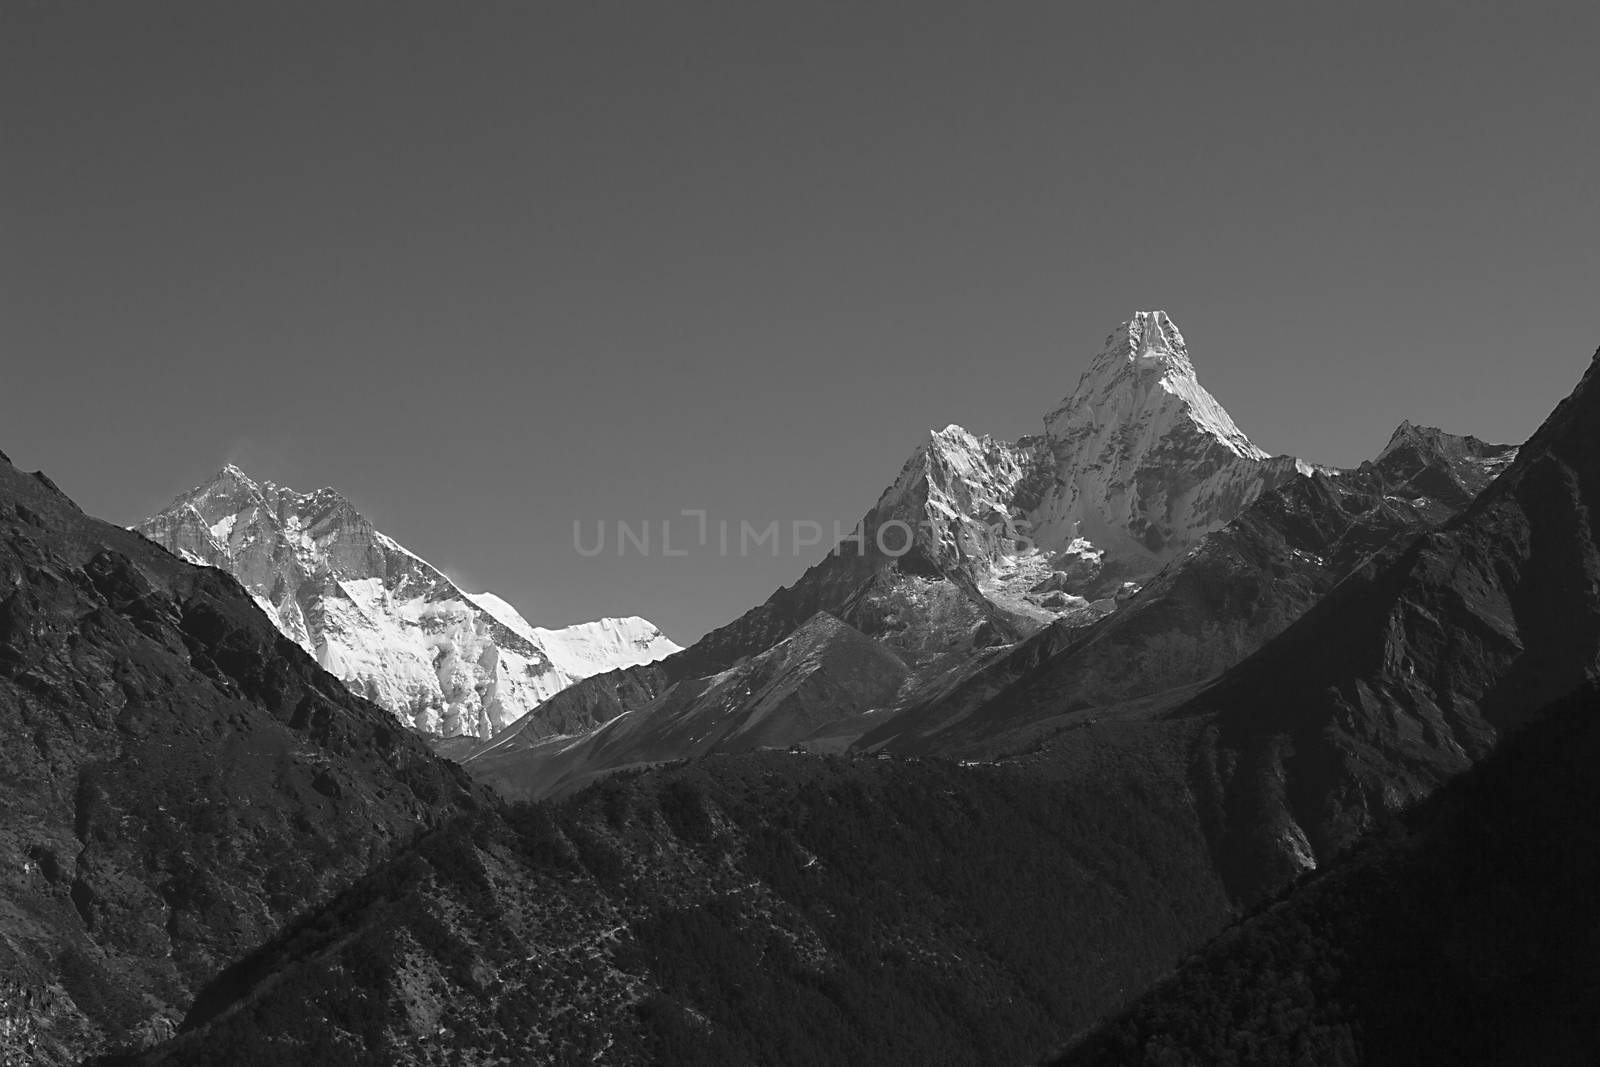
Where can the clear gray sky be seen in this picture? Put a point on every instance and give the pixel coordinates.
(493, 268)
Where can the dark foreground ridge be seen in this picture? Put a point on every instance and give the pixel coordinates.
(177, 780)
(760, 908)
(1410, 671)
(1464, 932)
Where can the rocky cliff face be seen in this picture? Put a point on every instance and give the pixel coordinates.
(395, 629)
(178, 778)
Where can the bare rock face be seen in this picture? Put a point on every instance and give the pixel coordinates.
(394, 628)
(958, 500)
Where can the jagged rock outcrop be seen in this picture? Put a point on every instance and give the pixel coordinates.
(394, 628)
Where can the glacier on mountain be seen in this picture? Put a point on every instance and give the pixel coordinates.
(382, 619)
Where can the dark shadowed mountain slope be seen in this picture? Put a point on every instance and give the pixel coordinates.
(1468, 932)
(1410, 671)
(919, 597)
(1206, 611)
(741, 909)
(923, 600)
(823, 672)
(177, 778)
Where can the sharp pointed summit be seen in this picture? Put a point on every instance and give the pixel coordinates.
(1147, 461)
(1144, 378)
(1136, 465)
(1148, 339)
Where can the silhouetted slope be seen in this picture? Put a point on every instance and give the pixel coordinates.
(1410, 671)
(1469, 932)
(177, 778)
(834, 585)
(822, 672)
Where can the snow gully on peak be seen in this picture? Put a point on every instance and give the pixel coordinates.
(1150, 335)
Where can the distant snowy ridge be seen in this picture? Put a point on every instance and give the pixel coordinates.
(381, 618)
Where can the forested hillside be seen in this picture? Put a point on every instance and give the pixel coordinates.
(741, 909)
(1467, 931)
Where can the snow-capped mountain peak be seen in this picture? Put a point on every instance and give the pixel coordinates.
(955, 494)
(1409, 434)
(379, 616)
(1147, 461)
(1144, 375)
(1132, 469)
